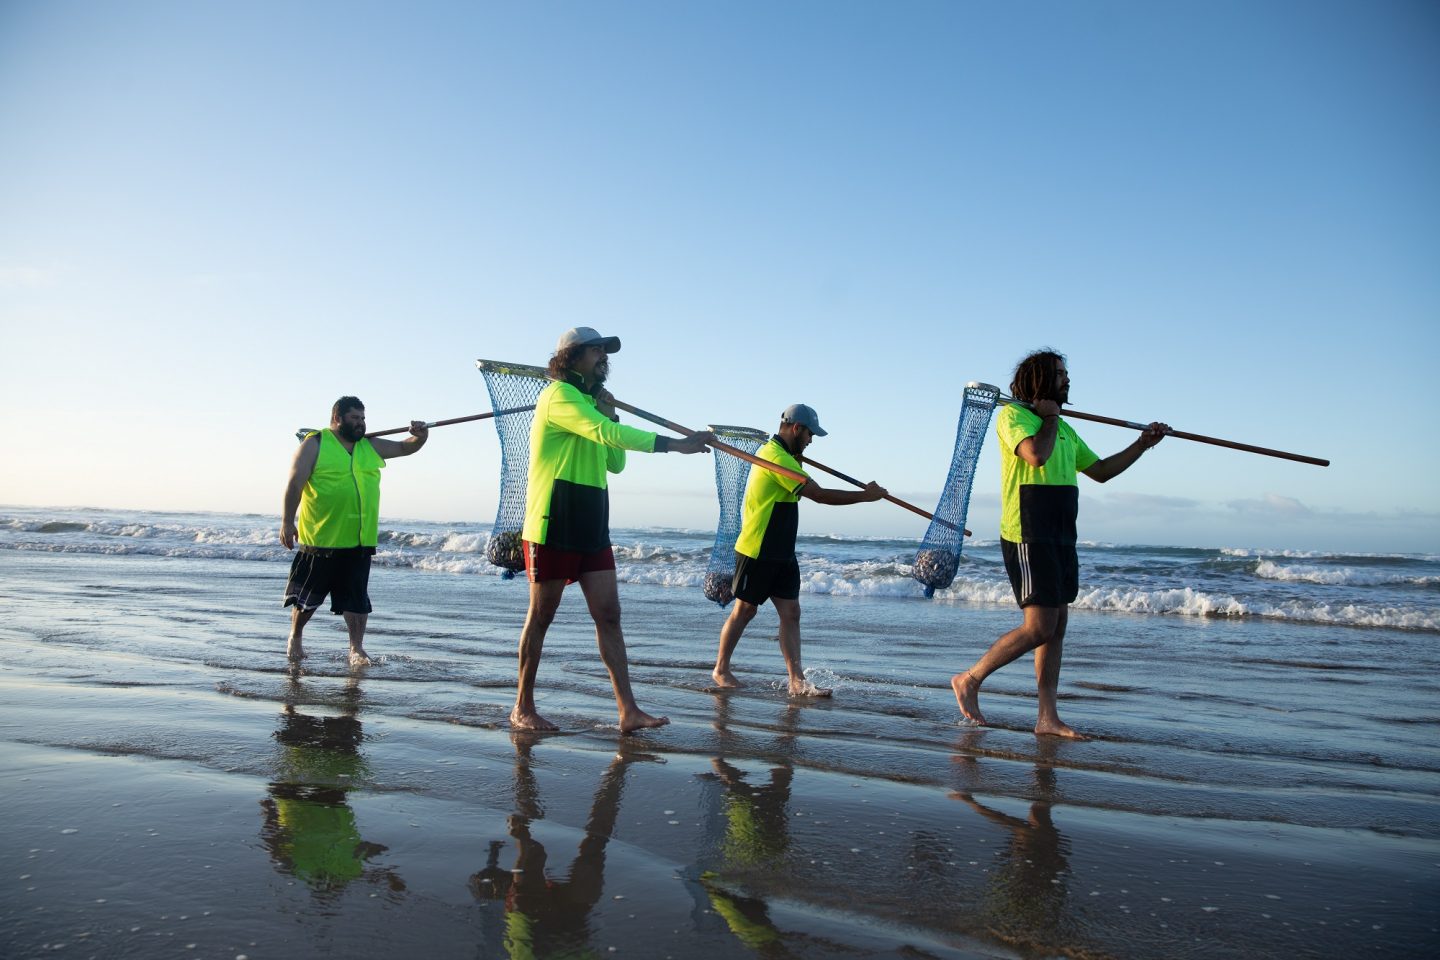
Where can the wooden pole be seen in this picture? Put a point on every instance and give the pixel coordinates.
(895, 500)
(724, 447)
(1199, 438)
(301, 433)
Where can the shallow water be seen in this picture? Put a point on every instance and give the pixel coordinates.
(1258, 786)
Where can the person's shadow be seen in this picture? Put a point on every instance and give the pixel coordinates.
(547, 914)
(309, 827)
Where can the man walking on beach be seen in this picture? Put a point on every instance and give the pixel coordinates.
(1039, 499)
(335, 486)
(575, 440)
(765, 564)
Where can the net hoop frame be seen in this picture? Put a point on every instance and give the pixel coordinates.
(946, 532)
(514, 437)
(730, 497)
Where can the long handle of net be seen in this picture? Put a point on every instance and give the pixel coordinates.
(716, 444)
(1199, 438)
(895, 500)
(305, 431)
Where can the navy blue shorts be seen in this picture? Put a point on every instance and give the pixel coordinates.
(342, 574)
(1042, 574)
(759, 580)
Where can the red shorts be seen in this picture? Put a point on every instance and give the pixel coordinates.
(547, 563)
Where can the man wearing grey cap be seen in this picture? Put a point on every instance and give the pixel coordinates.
(765, 564)
(576, 440)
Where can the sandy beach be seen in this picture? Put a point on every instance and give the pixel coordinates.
(177, 792)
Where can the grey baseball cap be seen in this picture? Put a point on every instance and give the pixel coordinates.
(585, 336)
(803, 415)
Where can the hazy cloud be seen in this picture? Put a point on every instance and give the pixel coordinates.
(1149, 502)
(1272, 505)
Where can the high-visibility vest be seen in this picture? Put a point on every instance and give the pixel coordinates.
(573, 447)
(340, 505)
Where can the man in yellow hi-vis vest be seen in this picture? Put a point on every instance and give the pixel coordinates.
(765, 564)
(335, 487)
(576, 441)
(1040, 457)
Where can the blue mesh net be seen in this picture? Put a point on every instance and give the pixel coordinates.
(513, 389)
(731, 473)
(939, 554)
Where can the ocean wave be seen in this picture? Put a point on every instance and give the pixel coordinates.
(1367, 590)
(455, 563)
(1338, 576)
(645, 553)
(65, 531)
(143, 549)
(1247, 552)
(1187, 601)
(976, 591)
(1255, 553)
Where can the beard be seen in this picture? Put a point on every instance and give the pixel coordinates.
(352, 432)
(601, 372)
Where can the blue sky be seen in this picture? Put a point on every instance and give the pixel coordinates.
(215, 218)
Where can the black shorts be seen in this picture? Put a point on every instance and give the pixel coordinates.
(1042, 574)
(343, 574)
(758, 580)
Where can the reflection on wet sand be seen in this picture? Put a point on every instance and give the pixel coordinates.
(1025, 903)
(548, 914)
(753, 827)
(310, 829)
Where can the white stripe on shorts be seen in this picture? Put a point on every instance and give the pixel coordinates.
(1025, 588)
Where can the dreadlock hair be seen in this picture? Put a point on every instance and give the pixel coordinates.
(565, 358)
(343, 406)
(1035, 376)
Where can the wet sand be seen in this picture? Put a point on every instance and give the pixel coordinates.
(174, 791)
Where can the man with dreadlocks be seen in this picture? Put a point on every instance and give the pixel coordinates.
(575, 441)
(1039, 497)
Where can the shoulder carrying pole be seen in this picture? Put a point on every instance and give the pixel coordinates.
(1199, 438)
(895, 500)
(716, 444)
(300, 434)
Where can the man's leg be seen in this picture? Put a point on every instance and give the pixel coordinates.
(544, 601)
(730, 633)
(789, 611)
(603, 598)
(1047, 681)
(1038, 628)
(355, 627)
(294, 646)
(350, 594)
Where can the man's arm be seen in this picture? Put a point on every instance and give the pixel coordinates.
(390, 449)
(300, 470)
(1116, 464)
(838, 498)
(1035, 450)
(695, 443)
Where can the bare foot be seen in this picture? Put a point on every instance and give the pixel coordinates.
(359, 658)
(967, 695)
(1055, 728)
(638, 719)
(804, 688)
(529, 720)
(725, 679)
(294, 652)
